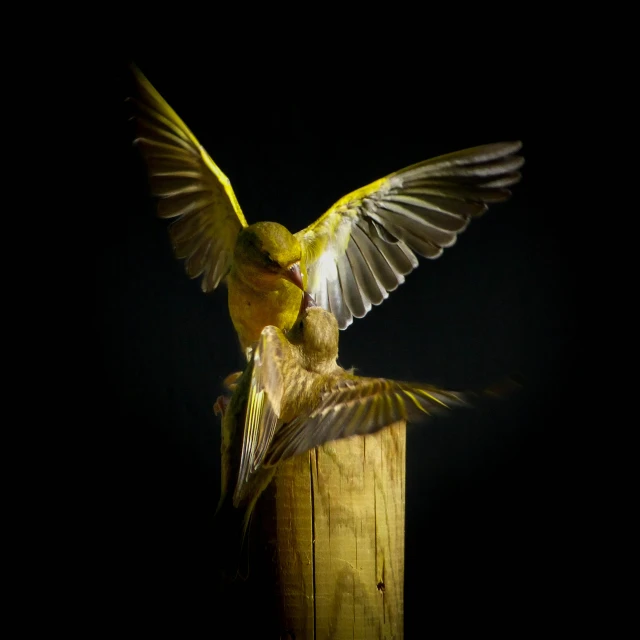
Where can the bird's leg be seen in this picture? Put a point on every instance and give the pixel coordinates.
(230, 383)
(220, 406)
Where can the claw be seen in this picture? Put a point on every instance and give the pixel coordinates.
(230, 381)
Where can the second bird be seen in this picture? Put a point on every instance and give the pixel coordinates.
(294, 396)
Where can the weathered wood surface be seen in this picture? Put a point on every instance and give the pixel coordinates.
(334, 520)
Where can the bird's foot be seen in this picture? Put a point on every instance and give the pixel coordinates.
(221, 405)
(230, 382)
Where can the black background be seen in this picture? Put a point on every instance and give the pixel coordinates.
(489, 492)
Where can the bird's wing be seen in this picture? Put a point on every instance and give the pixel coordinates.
(365, 244)
(191, 187)
(263, 404)
(359, 406)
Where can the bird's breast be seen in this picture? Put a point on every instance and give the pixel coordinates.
(253, 306)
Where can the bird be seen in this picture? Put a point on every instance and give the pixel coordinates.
(347, 260)
(294, 396)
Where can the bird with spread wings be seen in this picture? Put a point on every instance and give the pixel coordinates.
(348, 260)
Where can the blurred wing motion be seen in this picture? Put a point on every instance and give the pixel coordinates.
(359, 406)
(192, 188)
(366, 243)
(263, 404)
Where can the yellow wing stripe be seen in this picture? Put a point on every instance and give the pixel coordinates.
(356, 197)
(426, 394)
(173, 120)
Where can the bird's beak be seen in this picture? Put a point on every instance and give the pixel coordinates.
(293, 274)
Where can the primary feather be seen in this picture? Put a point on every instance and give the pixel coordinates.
(365, 244)
(191, 187)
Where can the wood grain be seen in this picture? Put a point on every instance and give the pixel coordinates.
(335, 519)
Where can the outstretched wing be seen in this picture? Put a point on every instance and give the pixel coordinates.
(359, 406)
(263, 404)
(192, 188)
(363, 246)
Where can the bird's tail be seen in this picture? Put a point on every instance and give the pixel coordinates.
(231, 526)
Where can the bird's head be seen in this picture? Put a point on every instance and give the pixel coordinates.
(269, 251)
(316, 335)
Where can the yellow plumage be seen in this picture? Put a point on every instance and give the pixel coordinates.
(349, 259)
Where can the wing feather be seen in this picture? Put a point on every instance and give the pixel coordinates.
(191, 187)
(360, 406)
(418, 210)
(349, 287)
(379, 264)
(266, 388)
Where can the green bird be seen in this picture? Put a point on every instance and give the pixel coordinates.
(294, 396)
(348, 260)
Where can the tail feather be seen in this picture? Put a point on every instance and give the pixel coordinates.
(231, 526)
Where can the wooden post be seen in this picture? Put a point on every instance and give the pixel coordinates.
(332, 525)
